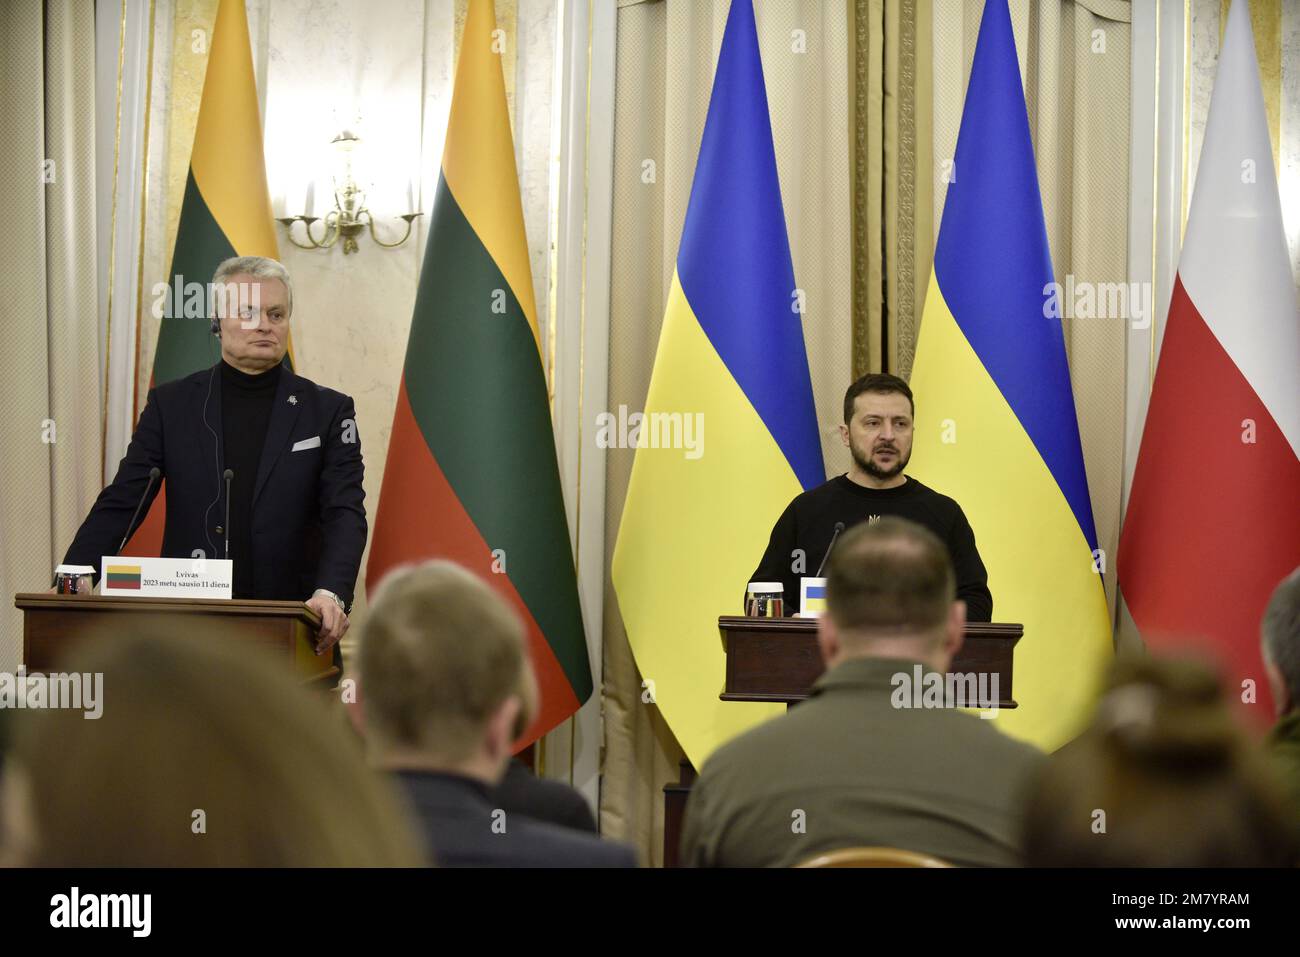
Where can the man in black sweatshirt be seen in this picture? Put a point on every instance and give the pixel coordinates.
(877, 429)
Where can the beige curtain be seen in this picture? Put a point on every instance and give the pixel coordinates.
(667, 50)
(1075, 65)
(50, 447)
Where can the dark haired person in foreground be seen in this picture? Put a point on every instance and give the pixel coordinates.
(1162, 778)
(848, 768)
(206, 754)
(877, 430)
(446, 690)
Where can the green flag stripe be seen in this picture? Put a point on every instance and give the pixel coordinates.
(186, 345)
(477, 391)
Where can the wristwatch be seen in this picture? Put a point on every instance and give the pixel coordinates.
(332, 597)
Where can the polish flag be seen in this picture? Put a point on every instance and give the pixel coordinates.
(1213, 519)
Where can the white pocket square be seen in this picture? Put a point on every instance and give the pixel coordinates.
(312, 443)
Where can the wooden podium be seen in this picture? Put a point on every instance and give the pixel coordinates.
(285, 628)
(776, 660)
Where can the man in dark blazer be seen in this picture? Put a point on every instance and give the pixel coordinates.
(542, 799)
(446, 690)
(249, 438)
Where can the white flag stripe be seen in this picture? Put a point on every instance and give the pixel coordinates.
(1235, 264)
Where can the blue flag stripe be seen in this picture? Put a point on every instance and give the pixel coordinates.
(734, 260)
(992, 261)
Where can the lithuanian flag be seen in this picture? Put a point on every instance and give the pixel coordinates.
(472, 473)
(226, 212)
(124, 577)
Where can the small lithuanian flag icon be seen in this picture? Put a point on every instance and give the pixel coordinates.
(126, 577)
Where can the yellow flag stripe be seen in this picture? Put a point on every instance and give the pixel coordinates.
(691, 533)
(969, 444)
(478, 159)
(227, 160)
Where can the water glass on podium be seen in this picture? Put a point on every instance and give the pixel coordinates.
(74, 580)
(765, 600)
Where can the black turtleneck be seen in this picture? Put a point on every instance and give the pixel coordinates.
(245, 413)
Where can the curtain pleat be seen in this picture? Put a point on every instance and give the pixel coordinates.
(50, 446)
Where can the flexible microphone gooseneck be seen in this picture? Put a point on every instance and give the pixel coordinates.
(839, 527)
(228, 476)
(154, 473)
(216, 460)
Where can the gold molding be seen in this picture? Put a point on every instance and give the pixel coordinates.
(857, 186)
(144, 205)
(112, 234)
(903, 309)
(921, 94)
(892, 194)
(1155, 199)
(862, 200)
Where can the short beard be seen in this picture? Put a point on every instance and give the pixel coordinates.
(874, 470)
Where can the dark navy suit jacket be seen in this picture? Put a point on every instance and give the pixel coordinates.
(308, 514)
(542, 800)
(467, 827)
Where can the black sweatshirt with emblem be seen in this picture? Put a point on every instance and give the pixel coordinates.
(803, 534)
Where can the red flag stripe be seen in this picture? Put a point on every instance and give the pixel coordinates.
(434, 524)
(1213, 521)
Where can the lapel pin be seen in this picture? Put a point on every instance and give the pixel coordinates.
(293, 400)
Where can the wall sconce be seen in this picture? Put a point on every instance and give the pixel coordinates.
(349, 216)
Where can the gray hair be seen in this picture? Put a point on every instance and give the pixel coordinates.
(259, 267)
(1280, 630)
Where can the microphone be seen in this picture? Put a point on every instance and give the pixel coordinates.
(130, 529)
(228, 475)
(839, 527)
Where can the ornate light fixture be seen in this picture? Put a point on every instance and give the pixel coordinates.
(349, 216)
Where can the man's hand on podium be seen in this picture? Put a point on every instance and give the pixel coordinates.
(334, 622)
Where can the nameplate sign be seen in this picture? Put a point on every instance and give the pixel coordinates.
(166, 577)
(812, 597)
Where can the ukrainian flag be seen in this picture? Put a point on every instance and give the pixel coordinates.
(996, 426)
(731, 348)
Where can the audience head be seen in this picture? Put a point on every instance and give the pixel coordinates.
(891, 592)
(1280, 637)
(1162, 778)
(207, 752)
(446, 683)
